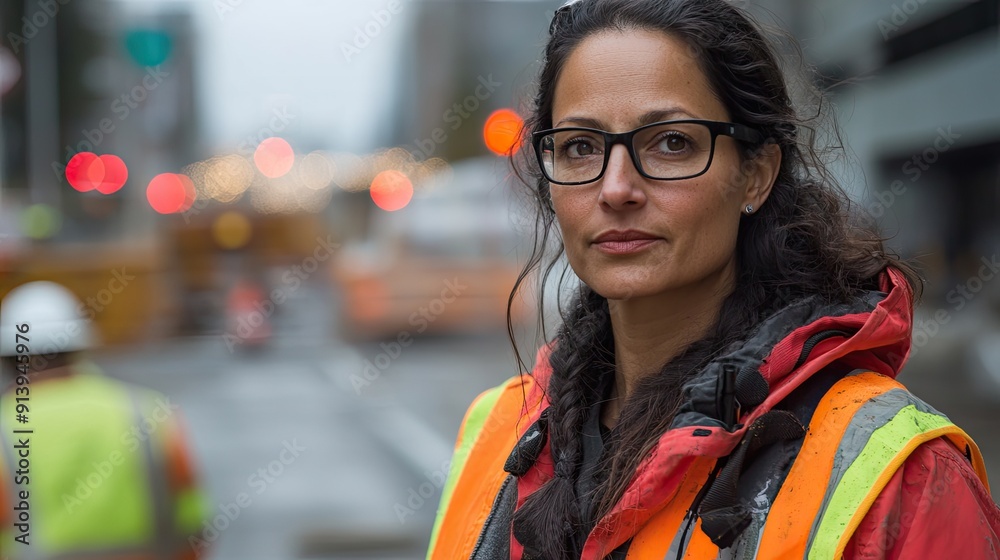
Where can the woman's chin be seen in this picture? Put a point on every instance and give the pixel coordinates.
(622, 289)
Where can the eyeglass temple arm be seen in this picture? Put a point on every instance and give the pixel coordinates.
(741, 132)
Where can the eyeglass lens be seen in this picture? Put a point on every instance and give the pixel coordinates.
(666, 151)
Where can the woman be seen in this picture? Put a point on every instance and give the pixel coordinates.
(723, 384)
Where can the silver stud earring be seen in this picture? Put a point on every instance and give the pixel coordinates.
(749, 209)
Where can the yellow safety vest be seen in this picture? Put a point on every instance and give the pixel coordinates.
(93, 460)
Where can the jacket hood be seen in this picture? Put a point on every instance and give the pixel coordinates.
(872, 332)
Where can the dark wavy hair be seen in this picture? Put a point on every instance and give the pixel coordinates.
(806, 239)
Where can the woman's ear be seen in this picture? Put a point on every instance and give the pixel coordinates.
(764, 171)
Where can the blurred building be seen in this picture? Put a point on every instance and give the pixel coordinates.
(474, 57)
(95, 77)
(915, 84)
(119, 78)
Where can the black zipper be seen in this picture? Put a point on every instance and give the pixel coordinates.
(491, 515)
(815, 339)
(691, 514)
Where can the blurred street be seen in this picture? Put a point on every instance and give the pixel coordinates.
(300, 222)
(348, 495)
(352, 493)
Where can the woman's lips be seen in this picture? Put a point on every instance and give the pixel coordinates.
(624, 247)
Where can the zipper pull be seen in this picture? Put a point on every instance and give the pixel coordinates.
(729, 406)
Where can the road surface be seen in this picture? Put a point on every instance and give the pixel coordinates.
(340, 450)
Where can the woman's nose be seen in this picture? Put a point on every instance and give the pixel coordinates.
(621, 184)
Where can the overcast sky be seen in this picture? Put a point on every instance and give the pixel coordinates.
(255, 57)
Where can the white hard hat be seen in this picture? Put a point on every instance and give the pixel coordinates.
(53, 318)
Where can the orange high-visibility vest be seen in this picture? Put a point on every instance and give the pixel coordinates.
(859, 434)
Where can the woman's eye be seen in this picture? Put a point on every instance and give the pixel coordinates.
(672, 144)
(579, 148)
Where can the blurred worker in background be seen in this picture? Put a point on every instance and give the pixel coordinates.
(91, 467)
(248, 324)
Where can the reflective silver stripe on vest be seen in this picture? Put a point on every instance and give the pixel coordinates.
(875, 413)
(678, 546)
(21, 552)
(131, 553)
(743, 549)
(163, 542)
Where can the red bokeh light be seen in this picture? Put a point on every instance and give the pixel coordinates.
(115, 174)
(502, 132)
(391, 190)
(274, 157)
(167, 193)
(85, 171)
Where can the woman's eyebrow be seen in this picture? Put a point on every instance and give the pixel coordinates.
(655, 115)
(663, 115)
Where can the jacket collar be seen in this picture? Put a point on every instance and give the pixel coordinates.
(794, 343)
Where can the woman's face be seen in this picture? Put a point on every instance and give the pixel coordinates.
(615, 81)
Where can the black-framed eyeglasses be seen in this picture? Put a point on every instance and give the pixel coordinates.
(666, 150)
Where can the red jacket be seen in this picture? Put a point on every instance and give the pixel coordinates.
(934, 506)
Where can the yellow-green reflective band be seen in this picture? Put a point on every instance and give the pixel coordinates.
(885, 451)
(190, 509)
(475, 419)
